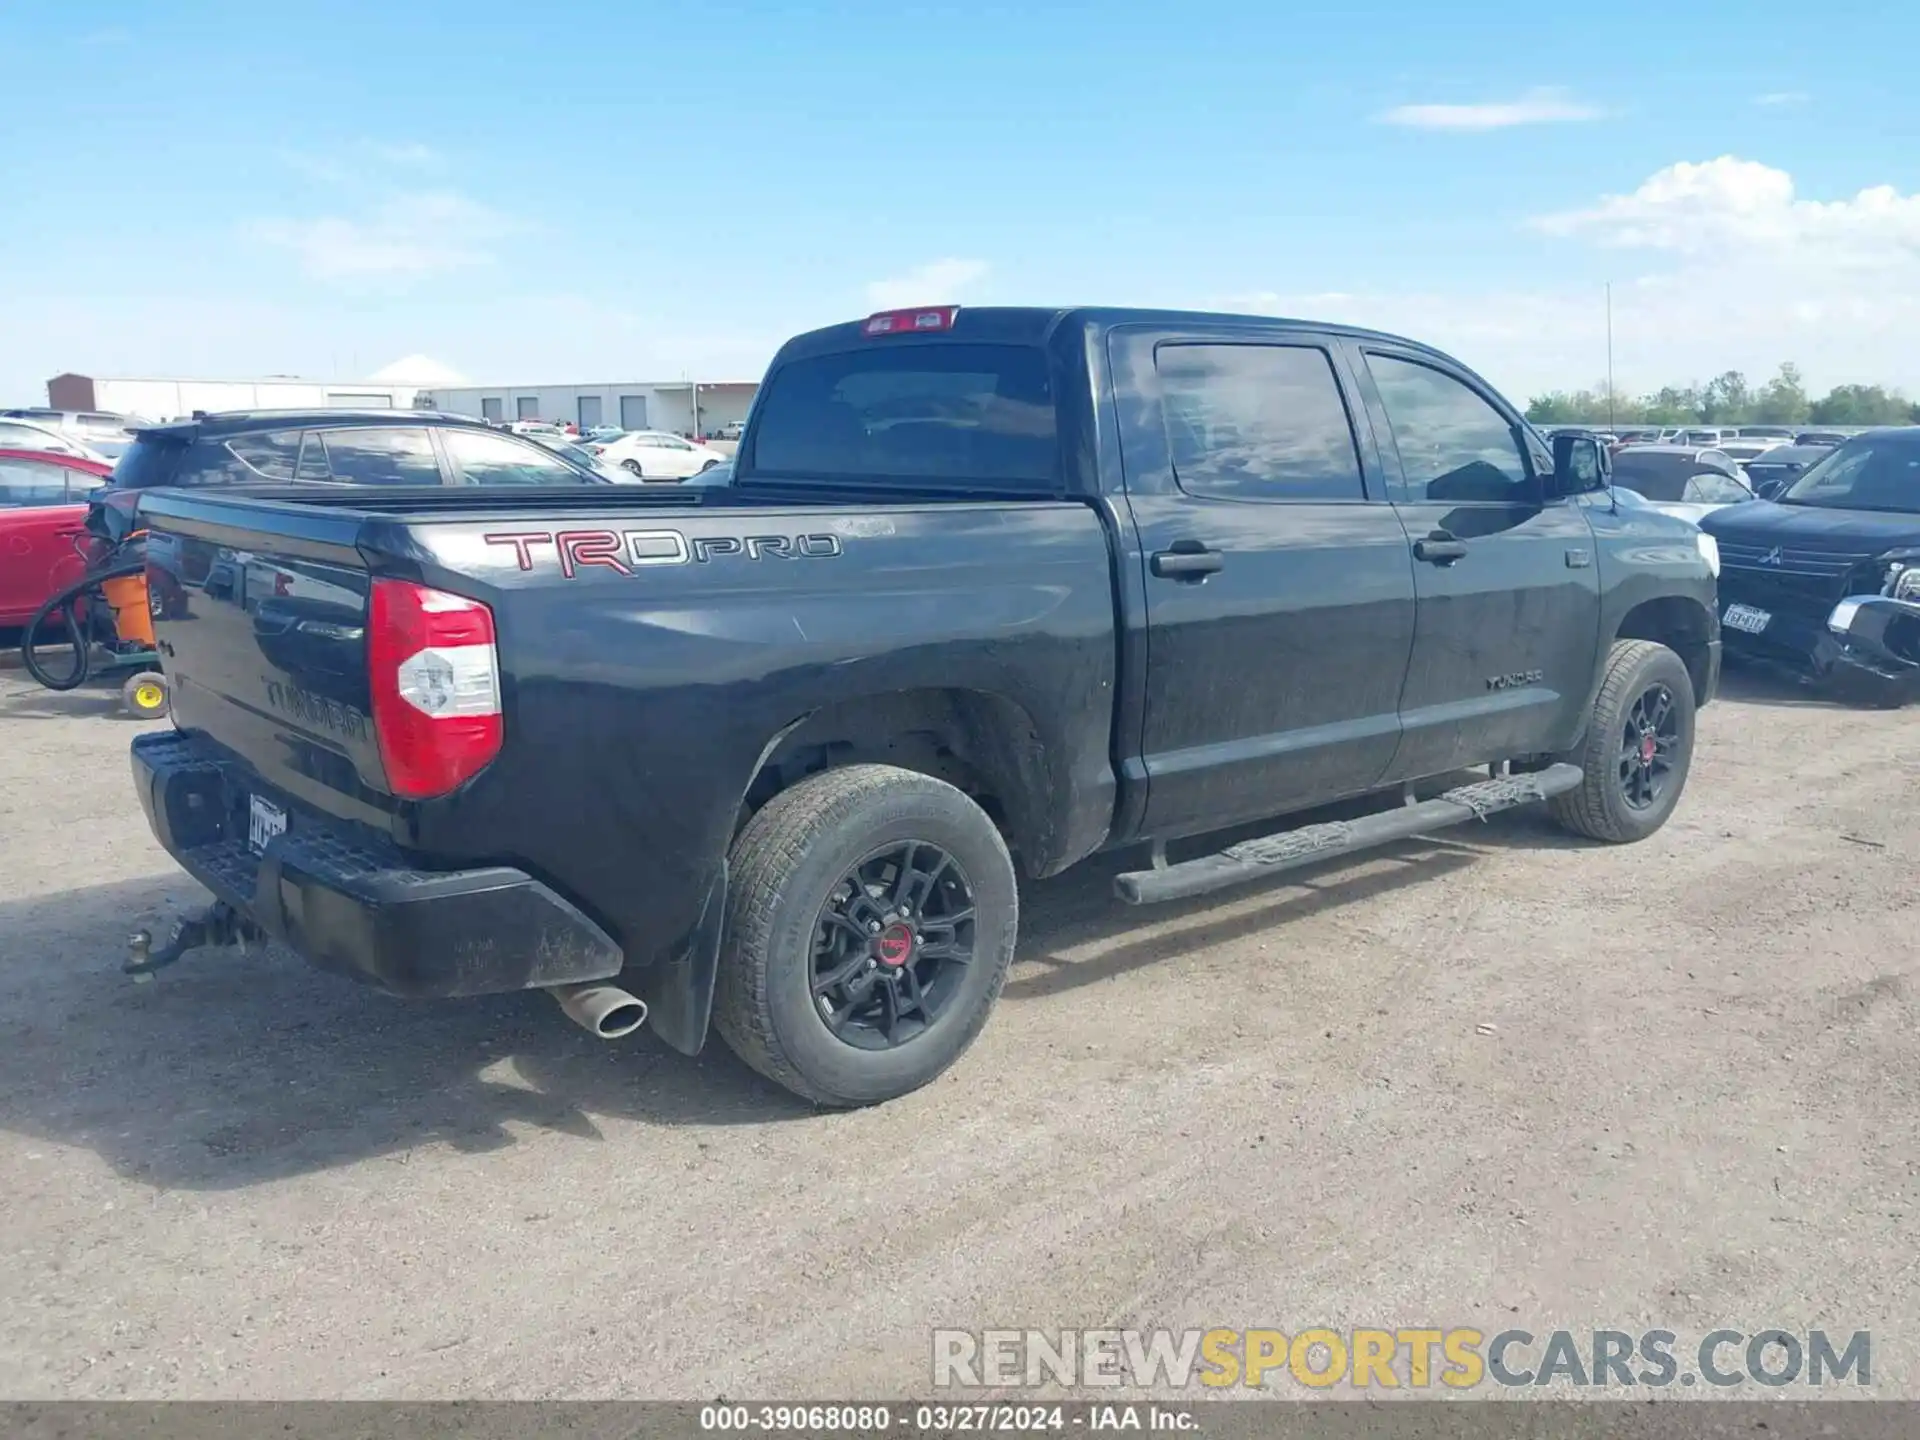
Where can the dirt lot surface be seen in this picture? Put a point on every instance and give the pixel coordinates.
(1494, 1078)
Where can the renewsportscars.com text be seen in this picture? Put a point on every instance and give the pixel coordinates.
(1460, 1358)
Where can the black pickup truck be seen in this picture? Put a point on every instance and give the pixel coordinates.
(988, 583)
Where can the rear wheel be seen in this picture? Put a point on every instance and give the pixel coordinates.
(871, 915)
(1638, 748)
(632, 467)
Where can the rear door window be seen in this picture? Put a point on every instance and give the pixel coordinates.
(1257, 422)
(388, 455)
(938, 411)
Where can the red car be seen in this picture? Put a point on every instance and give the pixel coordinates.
(43, 506)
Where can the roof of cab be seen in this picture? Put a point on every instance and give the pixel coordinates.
(233, 422)
(1035, 325)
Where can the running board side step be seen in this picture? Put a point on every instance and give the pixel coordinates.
(1291, 849)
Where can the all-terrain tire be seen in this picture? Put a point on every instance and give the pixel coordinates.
(1599, 809)
(783, 867)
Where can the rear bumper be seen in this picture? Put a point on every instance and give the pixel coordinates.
(352, 903)
(1870, 636)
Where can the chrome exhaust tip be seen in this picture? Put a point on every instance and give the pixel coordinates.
(604, 1011)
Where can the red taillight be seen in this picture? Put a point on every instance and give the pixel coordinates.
(911, 322)
(436, 687)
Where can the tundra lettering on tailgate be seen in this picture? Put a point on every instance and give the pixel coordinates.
(627, 550)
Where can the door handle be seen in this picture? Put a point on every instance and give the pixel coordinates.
(1187, 560)
(1440, 548)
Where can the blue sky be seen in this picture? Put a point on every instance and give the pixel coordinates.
(584, 191)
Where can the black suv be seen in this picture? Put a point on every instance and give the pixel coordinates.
(338, 447)
(321, 447)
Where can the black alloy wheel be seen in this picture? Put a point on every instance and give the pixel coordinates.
(1650, 742)
(892, 945)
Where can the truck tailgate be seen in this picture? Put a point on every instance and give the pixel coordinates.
(262, 629)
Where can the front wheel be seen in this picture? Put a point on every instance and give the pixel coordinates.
(632, 467)
(871, 915)
(1638, 748)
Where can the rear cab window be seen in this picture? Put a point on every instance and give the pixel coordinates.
(943, 411)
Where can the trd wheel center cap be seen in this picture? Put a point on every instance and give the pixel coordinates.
(894, 946)
(1648, 748)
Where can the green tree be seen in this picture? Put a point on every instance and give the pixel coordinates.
(1861, 405)
(1673, 405)
(1556, 407)
(1783, 400)
(1727, 400)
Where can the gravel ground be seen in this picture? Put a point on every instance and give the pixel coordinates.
(1494, 1078)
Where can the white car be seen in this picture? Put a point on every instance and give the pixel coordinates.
(1689, 482)
(30, 435)
(656, 455)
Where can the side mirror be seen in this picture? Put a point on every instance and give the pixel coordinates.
(1581, 464)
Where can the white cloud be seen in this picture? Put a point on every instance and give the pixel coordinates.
(1782, 97)
(931, 284)
(1730, 207)
(1721, 265)
(1536, 107)
(408, 236)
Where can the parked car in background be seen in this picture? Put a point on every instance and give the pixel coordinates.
(102, 431)
(601, 434)
(1744, 450)
(33, 435)
(1781, 466)
(582, 455)
(1681, 480)
(335, 447)
(656, 455)
(1714, 435)
(1821, 437)
(1765, 432)
(43, 510)
(730, 431)
(1826, 578)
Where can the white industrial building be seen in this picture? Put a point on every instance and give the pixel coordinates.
(152, 398)
(684, 407)
(404, 385)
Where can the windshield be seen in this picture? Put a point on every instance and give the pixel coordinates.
(893, 411)
(1870, 472)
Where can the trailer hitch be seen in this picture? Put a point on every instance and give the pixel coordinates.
(218, 924)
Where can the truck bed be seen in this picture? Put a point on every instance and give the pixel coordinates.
(653, 646)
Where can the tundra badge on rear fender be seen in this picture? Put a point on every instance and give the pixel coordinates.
(627, 550)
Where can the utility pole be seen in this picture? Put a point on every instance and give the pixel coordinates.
(1610, 355)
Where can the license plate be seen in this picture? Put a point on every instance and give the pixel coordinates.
(1745, 617)
(266, 821)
